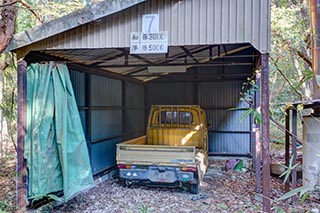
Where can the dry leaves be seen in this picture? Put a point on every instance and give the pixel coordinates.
(224, 192)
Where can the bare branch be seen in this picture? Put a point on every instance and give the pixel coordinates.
(303, 56)
(284, 129)
(8, 4)
(29, 7)
(286, 79)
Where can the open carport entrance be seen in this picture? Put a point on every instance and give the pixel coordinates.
(115, 90)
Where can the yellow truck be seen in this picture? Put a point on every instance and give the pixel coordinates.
(174, 151)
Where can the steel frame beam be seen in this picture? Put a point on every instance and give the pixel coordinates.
(257, 137)
(21, 190)
(287, 145)
(265, 132)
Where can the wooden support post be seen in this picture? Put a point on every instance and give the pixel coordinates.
(265, 130)
(257, 139)
(294, 152)
(21, 191)
(287, 146)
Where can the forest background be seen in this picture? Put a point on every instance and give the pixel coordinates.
(290, 66)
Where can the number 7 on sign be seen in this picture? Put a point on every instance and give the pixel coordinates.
(150, 23)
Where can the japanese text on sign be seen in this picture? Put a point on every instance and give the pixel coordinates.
(144, 43)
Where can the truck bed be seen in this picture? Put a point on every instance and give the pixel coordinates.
(136, 151)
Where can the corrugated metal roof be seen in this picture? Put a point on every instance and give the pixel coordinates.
(71, 21)
(189, 22)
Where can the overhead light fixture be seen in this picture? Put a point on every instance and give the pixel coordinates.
(167, 69)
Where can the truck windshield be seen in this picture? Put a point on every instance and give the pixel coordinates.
(174, 117)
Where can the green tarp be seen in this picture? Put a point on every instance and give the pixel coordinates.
(55, 145)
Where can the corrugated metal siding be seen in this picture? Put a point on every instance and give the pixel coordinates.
(103, 155)
(105, 91)
(189, 22)
(170, 93)
(134, 95)
(78, 80)
(230, 133)
(106, 123)
(135, 112)
(229, 144)
(217, 98)
(107, 115)
(79, 87)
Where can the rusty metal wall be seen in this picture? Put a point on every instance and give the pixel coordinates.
(189, 22)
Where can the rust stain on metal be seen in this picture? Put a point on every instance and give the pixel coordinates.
(315, 27)
(294, 152)
(287, 144)
(265, 127)
(21, 164)
(258, 144)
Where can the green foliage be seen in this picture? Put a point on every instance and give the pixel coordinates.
(8, 105)
(143, 208)
(279, 210)
(249, 111)
(290, 74)
(5, 206)
(289, 169)
(303, 190)
(47, 10)
(249, 89)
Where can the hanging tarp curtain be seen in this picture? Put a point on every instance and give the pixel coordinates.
(55, 145)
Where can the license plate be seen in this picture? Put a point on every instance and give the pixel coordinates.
(165, 176)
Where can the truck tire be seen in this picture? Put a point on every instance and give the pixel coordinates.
(194, 188)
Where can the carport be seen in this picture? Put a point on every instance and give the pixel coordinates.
(220, 45)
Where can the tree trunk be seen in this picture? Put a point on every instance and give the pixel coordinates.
(315, 30)
(7, 22)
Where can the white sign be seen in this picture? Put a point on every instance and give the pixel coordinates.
(150, 23)
(145, 43)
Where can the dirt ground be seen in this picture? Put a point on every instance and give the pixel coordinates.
(7, 183)
(220, 192)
